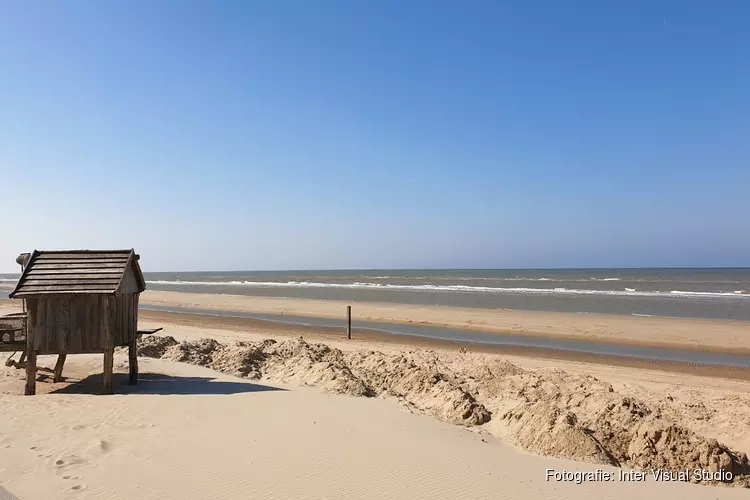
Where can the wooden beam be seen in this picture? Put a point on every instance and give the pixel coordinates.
(133, 362)
(81, 265)
(111, 260)
(30, 389)
(66, 280)
(109, 361)
(109, 346)
(58, 289)
(59, 368)
(30, 352)
(54, 272)
(83, 255)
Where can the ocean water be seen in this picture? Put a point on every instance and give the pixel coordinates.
(696, 293)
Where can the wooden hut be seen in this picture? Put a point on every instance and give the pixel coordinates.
(80, 301)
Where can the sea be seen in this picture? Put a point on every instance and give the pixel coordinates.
(717, 293)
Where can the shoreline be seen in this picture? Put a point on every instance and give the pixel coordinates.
(672, 344)
(326, 334)
(717, 336)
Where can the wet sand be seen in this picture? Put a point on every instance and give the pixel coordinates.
(700, 334)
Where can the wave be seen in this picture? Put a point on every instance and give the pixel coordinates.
(451, 288)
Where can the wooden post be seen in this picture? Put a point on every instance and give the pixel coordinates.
(133, 362)
(109, 348)
(349, 322)
(30, 373)
(59, 367)
(109, 361)
(30, 352)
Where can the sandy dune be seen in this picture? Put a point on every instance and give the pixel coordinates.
(188, 432)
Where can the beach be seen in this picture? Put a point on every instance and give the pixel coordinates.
(682, 333)
(279, 410)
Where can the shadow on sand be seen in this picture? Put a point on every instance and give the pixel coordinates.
(156, 383)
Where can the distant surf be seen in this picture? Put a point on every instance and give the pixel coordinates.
(452, 288)
(690, 293)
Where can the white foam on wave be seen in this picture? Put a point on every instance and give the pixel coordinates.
(450, 288)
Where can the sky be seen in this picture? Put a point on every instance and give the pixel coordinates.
(297, 134)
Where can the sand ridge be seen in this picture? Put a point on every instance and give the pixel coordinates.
(547, 412)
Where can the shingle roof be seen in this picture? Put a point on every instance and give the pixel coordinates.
(77, 271)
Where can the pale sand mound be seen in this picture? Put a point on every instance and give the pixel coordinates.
(547, 412)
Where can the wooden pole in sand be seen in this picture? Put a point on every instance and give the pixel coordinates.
(59, 367)
(349, 322)
(133, 362)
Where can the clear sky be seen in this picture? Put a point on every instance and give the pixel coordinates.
(364, 134)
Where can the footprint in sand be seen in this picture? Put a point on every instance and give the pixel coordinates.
(65, 462)
(78, 487)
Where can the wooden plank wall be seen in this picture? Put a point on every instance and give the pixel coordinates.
(76, 323)
(129, 284)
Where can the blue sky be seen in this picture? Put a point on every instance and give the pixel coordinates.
(338, 134)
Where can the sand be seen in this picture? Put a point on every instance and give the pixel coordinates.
(332, 418)
(714, 335)
(189, 432)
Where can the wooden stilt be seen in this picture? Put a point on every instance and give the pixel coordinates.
(133, 362)
(59, 367)
(109, 360)
(22, 358)
(30, 374)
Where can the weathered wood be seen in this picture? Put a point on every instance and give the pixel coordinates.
(65, 281)
(30, 388)
(67, 289)
(81, 265)
(50, 262)
(133, 362)
(129, 283)
(59, 368)
(81, 302)
(48, 338)
(86, 272)
(82, 255)
(108, 370)
(120, 317)
(149, 332)
(63, 323)
(108, 343)
(134, 325)
(349, 322)
(114, 308)
(74, 328)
